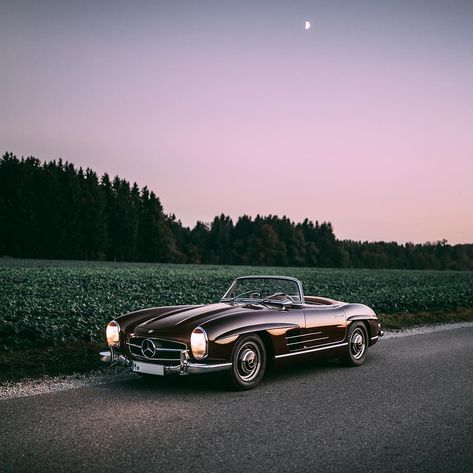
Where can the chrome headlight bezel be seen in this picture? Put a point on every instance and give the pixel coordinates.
(199, 343)
(112, 333)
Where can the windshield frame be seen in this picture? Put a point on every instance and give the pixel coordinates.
(226, 298)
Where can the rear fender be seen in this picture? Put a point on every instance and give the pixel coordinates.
(361, 317)
(370, 321)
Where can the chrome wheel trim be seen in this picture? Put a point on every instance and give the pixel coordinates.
(357, 343)
(248, 361)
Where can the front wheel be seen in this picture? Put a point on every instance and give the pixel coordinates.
(357, 344)
(248, 362)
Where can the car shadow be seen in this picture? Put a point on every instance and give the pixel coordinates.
(220, 382)
(292, 372)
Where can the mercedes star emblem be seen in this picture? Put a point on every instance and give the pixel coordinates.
(148, 348)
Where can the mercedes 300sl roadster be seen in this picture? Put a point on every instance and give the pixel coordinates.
(260, 320)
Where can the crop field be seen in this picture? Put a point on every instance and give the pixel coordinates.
(47, 302)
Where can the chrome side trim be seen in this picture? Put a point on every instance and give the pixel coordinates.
(326, 347)
(305, 335)
(374, 338)
(307, 341)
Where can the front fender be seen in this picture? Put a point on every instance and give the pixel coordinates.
(255, 328)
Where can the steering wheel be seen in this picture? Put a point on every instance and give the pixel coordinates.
(253, 294)
(287, 296)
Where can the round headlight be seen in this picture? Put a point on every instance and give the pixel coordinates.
(113, 334)
(199, 343)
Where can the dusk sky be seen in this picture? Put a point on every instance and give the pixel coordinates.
(365, 119)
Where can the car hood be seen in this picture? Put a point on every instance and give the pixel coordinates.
(178, 322)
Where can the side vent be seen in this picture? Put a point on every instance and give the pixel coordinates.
(297, 341)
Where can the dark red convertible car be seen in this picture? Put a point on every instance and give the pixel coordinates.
(259, 321)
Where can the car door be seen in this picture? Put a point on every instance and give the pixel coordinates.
(326, 322)
(324, 325)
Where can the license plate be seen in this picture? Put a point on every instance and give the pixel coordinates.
(148, 368)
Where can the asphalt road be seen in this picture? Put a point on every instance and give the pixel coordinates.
(408, 408)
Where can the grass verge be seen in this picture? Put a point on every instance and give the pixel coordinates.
(69, 358)
(403, 320)
(60, 359)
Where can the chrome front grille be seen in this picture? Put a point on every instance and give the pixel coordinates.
(162, 351)
(297, 341)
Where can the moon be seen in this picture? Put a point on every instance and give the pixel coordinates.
(307, 25)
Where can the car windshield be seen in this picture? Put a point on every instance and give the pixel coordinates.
(256, 289)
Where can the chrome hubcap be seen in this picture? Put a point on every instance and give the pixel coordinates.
(357, 343)
(249, 361)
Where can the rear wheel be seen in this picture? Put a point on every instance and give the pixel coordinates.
(248, 362)
(357, 344)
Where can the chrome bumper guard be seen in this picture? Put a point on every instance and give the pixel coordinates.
(184, 367)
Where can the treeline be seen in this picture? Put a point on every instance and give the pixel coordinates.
(53, 210)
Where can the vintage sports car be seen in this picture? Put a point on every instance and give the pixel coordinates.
(260, 320)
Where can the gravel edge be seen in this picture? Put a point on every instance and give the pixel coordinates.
(47, 384)
(424, 329)
(50, 384)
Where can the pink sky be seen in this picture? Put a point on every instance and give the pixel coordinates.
(365, 120)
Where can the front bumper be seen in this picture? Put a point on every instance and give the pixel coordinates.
(184, 367)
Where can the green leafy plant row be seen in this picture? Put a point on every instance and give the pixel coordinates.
(47, 302)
